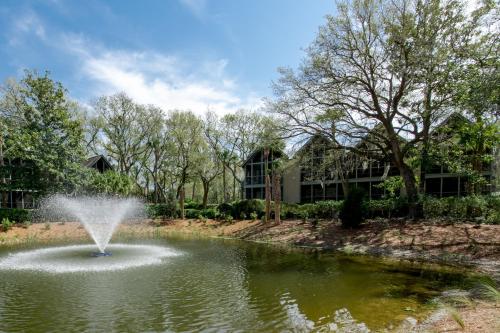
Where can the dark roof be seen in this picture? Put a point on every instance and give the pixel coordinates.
(258, 150)
(90, 162)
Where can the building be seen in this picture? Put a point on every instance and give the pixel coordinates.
(98, 162)
(309, 179)
(255, 166)
(21, 197)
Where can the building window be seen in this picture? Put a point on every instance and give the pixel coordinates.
(305, 193)
(450, 186)
(318, 194)
(433, 186)
(331, 192)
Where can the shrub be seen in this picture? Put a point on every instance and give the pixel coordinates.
(6, 224)
(164, 210)
(227, 218)
(254, 216)
(247, 207)
(327, 209)
(192, 213)
(486, 208)
(210, 213)
(381, 208)
(15, 214)
(354, 208)
(189, 204)
(225, 208)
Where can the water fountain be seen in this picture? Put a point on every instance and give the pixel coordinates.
(100, 216)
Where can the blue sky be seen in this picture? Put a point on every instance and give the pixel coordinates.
(184, 54)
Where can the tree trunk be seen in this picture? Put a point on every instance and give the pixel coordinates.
(424, 156)
(205, 194)
(5, 194)
(234, 188)
(193, 193)
(277, 198)
(267, 185)
(182, 195)
(224, 189)
(411, 191)
(268, 198)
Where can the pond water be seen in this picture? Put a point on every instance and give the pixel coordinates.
(214, 285)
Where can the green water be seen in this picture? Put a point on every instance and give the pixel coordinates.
(217, 286)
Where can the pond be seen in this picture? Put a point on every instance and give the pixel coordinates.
(214, 285)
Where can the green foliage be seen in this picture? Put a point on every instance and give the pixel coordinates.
(254, 216)
(6, 224)
(482, 208)
(392, 186)
(210, 213)
(48, 136)
(247, 207)
(353, 210)
(192, 213)
(189, 204)
(16, 215)
(227, 218)
(109, 182)
(320, 210)
(164, 210)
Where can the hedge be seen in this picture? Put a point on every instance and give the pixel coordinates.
(480, 208)
(15, 214)
(162, 210)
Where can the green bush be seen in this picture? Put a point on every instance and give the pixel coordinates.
(210, 213)
(15, 214)
(164, 210)
(481, 208)
(192, 213)
(247, 207)
(225, 208)
(327, 209)
(6, 224)
(254, 216)
(189, 204)
(354, 209)
(319, 210)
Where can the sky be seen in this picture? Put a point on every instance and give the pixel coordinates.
(194, 55)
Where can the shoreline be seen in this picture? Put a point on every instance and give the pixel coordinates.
(465, 245)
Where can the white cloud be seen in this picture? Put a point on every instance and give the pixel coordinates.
(167, 81)
(197, 7)
(26, 24)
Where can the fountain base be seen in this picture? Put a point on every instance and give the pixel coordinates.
(100, 254)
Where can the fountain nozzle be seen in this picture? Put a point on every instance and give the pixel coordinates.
(100, 254)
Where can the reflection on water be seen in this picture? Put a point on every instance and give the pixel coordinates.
(219, 286)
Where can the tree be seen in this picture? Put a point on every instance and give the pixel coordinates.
(242, 132)
(156, 149)
(185, 140)
(48, 136)
(372, 66)
(123, 130)
(109, 182)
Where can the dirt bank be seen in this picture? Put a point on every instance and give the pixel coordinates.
(460, 244)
